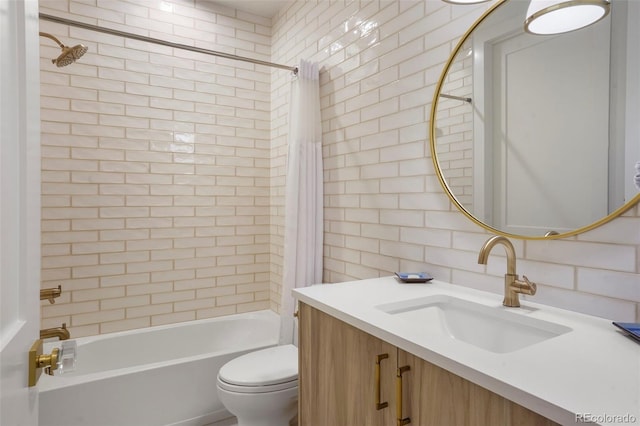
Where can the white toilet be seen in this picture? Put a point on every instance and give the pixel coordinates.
(261, 388)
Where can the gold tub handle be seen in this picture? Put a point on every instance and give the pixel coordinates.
(399, 420)
(379, 405)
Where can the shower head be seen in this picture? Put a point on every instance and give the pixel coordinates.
(69, 54)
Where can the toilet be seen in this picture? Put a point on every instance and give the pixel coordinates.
(261, 388)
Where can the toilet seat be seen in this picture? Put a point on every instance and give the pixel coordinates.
(267, 370)
(257, 389)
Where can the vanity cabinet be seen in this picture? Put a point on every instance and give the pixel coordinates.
(339, 387)
(337, 373)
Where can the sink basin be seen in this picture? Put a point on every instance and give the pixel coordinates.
(492, 328)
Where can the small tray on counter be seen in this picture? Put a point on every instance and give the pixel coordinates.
(414, 277)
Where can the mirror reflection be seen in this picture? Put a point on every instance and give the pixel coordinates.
(536, 134)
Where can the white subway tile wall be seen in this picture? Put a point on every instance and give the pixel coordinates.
(155, 185)
(164, 170)
(384, 207)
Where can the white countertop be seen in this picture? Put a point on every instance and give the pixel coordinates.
(592, 370)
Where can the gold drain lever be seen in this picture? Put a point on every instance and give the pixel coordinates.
(62, 359)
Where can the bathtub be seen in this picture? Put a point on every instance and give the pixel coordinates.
(155, 376)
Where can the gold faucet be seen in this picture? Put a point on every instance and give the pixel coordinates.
(60, 332)
(513, 286)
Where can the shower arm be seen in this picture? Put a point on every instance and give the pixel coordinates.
(52, 38)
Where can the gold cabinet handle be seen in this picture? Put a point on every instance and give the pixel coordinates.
(379, 405)
(399, 420)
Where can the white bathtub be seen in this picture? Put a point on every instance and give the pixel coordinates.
(155, 376)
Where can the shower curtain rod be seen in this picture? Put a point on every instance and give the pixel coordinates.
(162, 42)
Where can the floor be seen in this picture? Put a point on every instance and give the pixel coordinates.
(232, 422)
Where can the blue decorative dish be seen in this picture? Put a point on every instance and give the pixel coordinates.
(414, 277)
(632, 328)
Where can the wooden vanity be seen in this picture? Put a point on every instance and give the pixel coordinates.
(347, 374)
(363, 362)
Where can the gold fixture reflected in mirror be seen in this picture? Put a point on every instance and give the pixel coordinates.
(546, 17)
(69, 54)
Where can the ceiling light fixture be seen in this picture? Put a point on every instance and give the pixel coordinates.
(547, 17)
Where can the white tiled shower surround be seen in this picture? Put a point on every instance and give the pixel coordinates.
(163, 170)
(155, 167)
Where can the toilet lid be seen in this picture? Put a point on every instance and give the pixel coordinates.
(265, 367)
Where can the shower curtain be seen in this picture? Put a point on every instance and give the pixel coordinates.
(303, 194)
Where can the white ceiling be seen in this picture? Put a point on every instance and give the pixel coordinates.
(266, 8)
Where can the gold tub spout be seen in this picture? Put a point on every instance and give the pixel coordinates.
(513, 286)
(60, 332)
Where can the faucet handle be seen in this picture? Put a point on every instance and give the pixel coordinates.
(533, 286)
(525, 287)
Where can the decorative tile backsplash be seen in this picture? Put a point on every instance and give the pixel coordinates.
(164, 170)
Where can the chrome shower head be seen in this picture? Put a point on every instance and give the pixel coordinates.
(69, 54)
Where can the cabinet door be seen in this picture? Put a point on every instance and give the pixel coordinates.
(337, 373)
(433, 396)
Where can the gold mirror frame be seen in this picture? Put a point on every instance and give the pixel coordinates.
(434, 155)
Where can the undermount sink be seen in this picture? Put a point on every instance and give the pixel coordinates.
(493, 328)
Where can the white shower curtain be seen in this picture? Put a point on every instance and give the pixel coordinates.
(303, 218)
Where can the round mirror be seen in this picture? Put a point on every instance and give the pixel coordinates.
(538, 136)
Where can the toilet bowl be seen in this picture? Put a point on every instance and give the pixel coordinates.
(261, 388)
